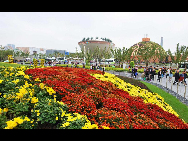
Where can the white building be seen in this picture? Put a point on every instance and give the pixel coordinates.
(32, 50)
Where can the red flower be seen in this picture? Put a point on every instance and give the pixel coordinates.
(102, 102)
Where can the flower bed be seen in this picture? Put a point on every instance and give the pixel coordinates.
(76, 98)
(27, 103)
(107, 101)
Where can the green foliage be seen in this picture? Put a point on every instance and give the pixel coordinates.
(181, 54)
(26, 103)
(132, 64)
(4, 54)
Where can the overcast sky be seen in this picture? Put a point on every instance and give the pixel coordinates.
(63, 30)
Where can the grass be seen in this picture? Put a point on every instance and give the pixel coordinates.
(9, 64)
(179, 107)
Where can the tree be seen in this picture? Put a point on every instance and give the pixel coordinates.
(119, 54)
(132, 64)
(162, 54)
(184, 53)
(128, 55)
(180, 54)
(4, 54)
(106, 53)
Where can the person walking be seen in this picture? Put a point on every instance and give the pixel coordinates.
(153, 73)
(135, 71)
(177, 76)
(185, 76)
(170, 74)
(167, 72)
(159, 75)
(150, 72)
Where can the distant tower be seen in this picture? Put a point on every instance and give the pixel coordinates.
(162, 41)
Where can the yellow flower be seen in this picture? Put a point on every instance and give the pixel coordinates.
(105, 127)
(1, 111)
(50, 90)
(19, 95)
(5, 110)
(37, 111)
(26, 85)
(88, 125)
(31, 94)
(20, 73)
(1, 81)
(11, 124)
(61, 103)
(37, 79)
(34, 100)
(63, 113)
(26, 76)
(41, 85)
(26, 119)
(71, 118)
(23, 91)
(65, 124)
(18, 120)
(56, 118)
(16, 81)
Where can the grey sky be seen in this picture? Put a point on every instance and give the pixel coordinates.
(63, 30)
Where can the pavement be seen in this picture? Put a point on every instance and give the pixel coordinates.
(165, 84)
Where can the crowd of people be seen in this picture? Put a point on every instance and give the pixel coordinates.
(150, 72)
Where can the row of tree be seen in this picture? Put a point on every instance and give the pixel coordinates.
(147, 52)
(143, 51)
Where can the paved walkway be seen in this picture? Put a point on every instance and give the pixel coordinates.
(181, 89)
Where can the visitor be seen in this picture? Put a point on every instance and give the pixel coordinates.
(167, 72)
(159, 75)
(103, 69)
(49, 63)
(135, 71)
(146, 73)
(153, 73)
(177, 76)
(132, 74)
(142, 76)
(150, 72)
(170, 74)
(185, 76)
